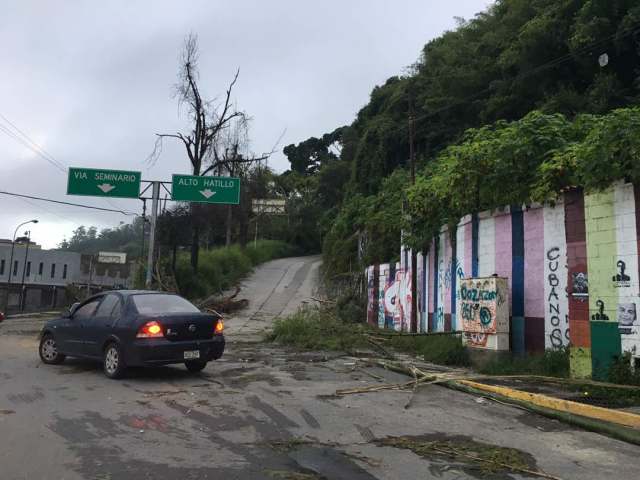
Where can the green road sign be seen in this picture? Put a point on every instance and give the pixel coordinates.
(103, 183)
(190, 188)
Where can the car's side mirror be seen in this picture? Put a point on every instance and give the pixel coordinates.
(71, 310)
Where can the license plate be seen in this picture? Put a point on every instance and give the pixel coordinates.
(190, 355)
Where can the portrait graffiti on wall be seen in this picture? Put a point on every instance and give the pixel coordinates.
(627, 317)
(580, 284)
(600, 315)
(629, 328)
(621, 279)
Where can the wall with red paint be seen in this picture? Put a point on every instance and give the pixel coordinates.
(580, 266)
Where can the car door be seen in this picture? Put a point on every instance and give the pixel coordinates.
(75, 336)
(97, 328)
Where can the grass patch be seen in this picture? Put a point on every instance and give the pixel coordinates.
(221, 268)
(441, 349)
(551, 363)
(621, 372)
(314, 328)
(606, 396)
(318, 329)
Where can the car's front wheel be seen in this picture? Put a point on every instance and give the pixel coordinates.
(195, 366)
(48, 350)
(113, 363)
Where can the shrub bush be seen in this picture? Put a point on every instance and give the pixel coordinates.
(551, 363)
(221, 268)
(317, 329)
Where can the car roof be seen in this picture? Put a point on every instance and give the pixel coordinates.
(128, 293)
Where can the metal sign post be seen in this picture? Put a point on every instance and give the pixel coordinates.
(152, 231)
(126, 184)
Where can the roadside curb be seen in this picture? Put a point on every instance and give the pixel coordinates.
(595, 419)
(626, 419)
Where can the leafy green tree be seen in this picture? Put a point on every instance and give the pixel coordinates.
(308, 156)
(124, 238)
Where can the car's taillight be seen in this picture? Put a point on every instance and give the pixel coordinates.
(150, 330)
(219, 327)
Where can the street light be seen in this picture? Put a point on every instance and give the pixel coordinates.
(24, 268)
(13, 244)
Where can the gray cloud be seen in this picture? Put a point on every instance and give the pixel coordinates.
(91, 82)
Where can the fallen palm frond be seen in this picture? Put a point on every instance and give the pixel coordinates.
(490, 458)
(225, 304)
(420, 378)
(379, 347)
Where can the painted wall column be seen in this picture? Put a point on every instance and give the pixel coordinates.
(517, 272)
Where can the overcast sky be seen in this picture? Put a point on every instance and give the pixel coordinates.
(91, 82)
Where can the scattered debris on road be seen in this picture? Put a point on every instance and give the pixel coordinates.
(227, 304)
(490, 459)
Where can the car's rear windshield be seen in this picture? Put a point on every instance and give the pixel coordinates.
(158, 304)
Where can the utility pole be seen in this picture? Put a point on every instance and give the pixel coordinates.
(90, 275)
(152, 232)
(24, 268)
(144, 227)
(414, 259)
(255, 238)
(13, 244)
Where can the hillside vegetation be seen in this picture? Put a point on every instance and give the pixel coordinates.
(525, 99)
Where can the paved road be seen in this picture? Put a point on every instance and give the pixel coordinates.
(259, 413)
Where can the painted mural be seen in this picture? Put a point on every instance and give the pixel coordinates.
(393, 296)
(371, 275)
(484, 312)
(569, 267)
(555, 277)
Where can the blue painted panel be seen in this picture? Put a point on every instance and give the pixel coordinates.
(434, 321)
(425, 303)
(454, 277)
(517, 334)
(517, 280)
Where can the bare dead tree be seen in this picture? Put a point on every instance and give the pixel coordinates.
(208, 119)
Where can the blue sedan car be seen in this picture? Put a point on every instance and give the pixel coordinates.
(125, 328)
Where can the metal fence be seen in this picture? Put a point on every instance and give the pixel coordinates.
(39, 298)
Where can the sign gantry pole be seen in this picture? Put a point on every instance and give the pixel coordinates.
(126, 184)
(155, 196)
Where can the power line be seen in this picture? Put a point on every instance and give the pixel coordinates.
(45, 209)
(123, 212)
(28, 142)
(550, 64)
(15, 137)
(41, 151)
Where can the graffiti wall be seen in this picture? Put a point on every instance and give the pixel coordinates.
(371, 275)
(391, 302)
(569, 268)
(484, 312)
(555, 278)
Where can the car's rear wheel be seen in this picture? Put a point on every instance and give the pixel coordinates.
(195, 366)
(48, 350)
(113, 363)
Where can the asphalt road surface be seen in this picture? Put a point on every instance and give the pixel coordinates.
(261, 412)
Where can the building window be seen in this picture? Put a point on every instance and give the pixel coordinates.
(2, 262)
(64, 271)
(28, 269)
(15, 268)
(53, 270)
(40, 268)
